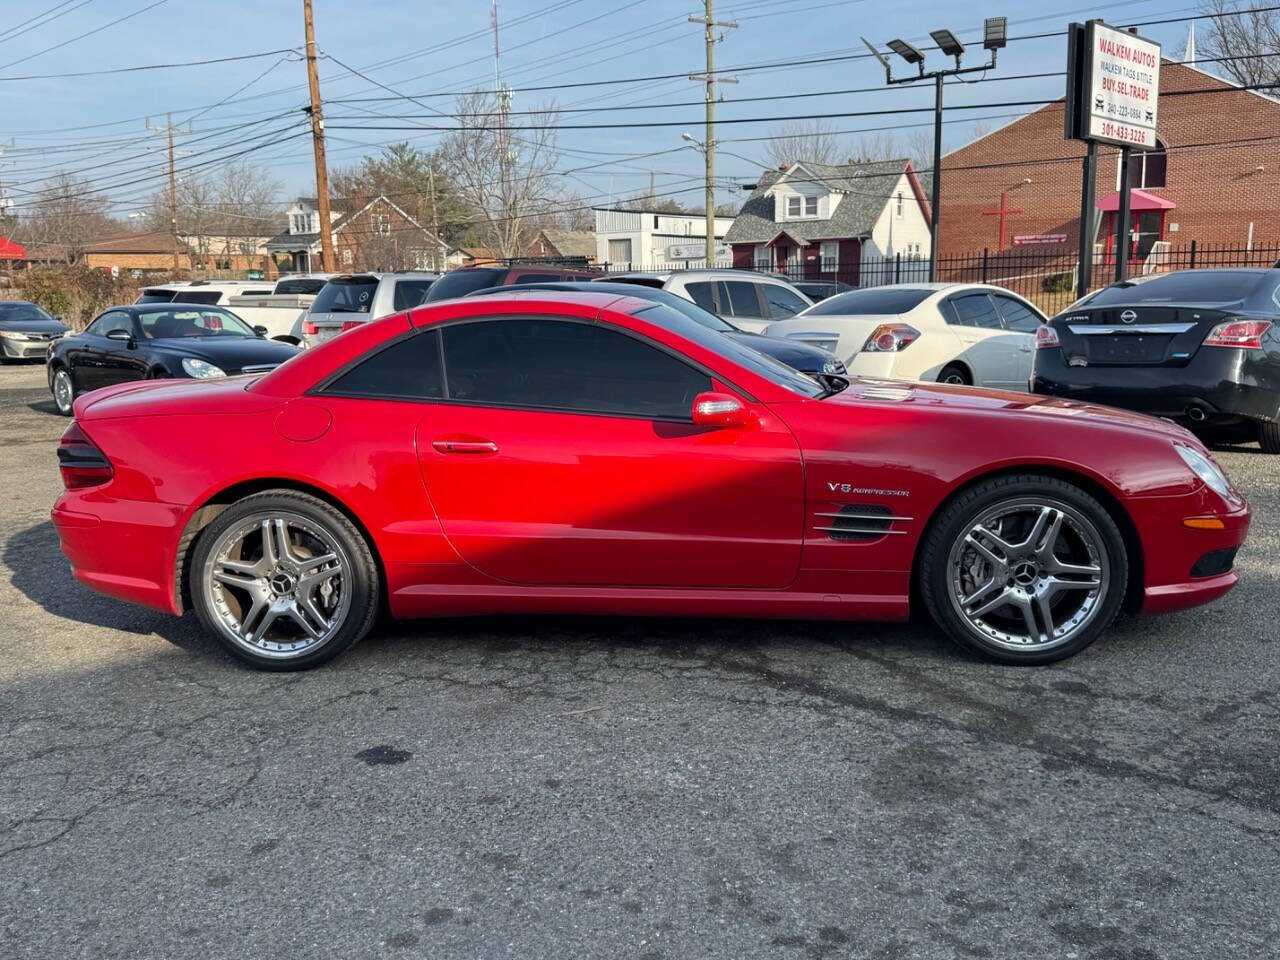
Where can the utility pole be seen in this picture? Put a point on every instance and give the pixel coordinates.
(709, 148)
(328, 261)
(435, 222)
(173, 184)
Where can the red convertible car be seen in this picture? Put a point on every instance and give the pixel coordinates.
(594, 453)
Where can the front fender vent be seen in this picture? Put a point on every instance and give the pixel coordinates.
(859, 522)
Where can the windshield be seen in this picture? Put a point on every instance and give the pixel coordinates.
(300, 285)
(870, 302)
(156, 296)
(662, 315)
(1208, 286)
(346, 295)
(461, 282)
(10, 312)
(176, 321)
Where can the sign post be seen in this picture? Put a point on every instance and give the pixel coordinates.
(1113, 92)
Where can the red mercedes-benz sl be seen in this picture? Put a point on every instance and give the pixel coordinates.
(594, 453)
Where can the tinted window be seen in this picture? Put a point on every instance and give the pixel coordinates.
(244, 293)
(872, 301)
(410, 293)
(459, 283)
(1016, 315)
(535, 278)
(197, 296)
(112, 320)
(177, 320)
(346, 296)
(559, 365)
(300, 285)
(1209, 286)
(409, 368)
(156, 296)
(783, 303)
(975, 310)
(743, 300)
(702, 296)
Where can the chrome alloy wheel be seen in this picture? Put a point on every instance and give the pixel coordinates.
(1030, 573)
(64, 393)
(277, 584)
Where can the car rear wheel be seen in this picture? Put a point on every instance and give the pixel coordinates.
(954, 373)
(64, 391)
(284, 580)
(1024, 569)
(1269, 437)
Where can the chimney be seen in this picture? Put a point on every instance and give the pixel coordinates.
(783, 166)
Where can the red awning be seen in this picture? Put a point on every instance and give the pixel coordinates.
(11, 251)
(1138, 200)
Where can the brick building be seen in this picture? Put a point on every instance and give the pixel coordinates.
(1192, 189)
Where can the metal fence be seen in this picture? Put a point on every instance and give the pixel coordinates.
(1046, 277)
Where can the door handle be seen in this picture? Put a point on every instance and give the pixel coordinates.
(444, 445)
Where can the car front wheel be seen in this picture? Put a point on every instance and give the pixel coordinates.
(1024, 569)
(284, 580)
(64, 391)
(1269, 437)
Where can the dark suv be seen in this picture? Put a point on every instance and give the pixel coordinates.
(459, 283)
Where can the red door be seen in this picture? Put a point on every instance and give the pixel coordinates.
(632, 497)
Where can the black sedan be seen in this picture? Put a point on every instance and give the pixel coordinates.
(146, 341)
(815, 361)
(1201, 347)
(26, 330)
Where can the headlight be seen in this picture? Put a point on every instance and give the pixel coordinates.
(12, 335)
(1205, 469)
(201, 369)
(834, 367)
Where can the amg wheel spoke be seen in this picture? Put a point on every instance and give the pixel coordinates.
(232, 578)
(983, 549)
(1003, 598)
(981, 592)
(1062, 569)
(268, 618)
(1043, 519)
(1023, 603)
(269, 555)
(284, 547)
(1045, 607)
(309, 617)
(312, 579)
(1048, 542)
(310, 563)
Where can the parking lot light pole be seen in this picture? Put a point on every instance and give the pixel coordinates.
(993, 39)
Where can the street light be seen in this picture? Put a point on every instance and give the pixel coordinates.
(993, 39)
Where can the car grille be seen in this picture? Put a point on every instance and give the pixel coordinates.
(259, 367)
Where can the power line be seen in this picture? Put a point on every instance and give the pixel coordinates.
(59, 46)
(14, 31)
(149, 66)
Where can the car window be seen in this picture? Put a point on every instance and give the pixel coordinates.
(111, 320)
(458, 283)
(353, 295)
(300, 285)
(701, 294)
(562, 365)
(156, 296)
(407, 369)
(1189, 286)
(782, 302)
(873, 301)
(179, 320)
(1017, 316)
(197, 296)
(743, 299)
(535, 278)
(975, 310)
(410, 293)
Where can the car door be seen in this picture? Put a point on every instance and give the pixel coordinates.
(1022, 320)
(742, 302)
(102, 361)
(564, 453)
(987, 348)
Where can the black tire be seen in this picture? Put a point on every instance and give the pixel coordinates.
(362, 583)
(1269, 437)
(61, 371)
(954, 373)
(957, 518)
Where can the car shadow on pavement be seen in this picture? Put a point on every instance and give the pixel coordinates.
(44, 406)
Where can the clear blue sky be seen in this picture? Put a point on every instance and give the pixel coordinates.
(95, 124)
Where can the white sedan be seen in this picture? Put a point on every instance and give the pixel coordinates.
(946, 332)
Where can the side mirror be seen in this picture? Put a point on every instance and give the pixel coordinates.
(122, 336)
(720, 411)
(260, 330)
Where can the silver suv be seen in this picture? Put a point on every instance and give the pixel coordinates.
(748, 300)
(352, 299)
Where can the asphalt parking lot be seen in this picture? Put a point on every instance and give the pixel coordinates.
(577, 788)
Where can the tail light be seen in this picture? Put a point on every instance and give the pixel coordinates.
(82, 464)
(309, 329)
(1047, 338)
(351, 324)
(1246, 334)
(890, 338)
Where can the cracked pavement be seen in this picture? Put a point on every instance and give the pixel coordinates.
(588, 788)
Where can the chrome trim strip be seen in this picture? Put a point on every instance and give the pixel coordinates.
(865, 516)
(862, 533)
(1089, 330)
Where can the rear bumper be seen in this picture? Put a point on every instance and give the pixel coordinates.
(1224, 385)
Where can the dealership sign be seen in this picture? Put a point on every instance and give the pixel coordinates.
(1113, 86)
(697, 251)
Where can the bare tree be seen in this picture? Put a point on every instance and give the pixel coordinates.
(873, 147)
(814, 140)
(246, 207)
(67, 213)
(1249, 34)
(506, 177)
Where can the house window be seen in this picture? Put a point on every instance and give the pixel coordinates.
(830, 253)
(794, 207)
(298, 223)
(810, 206)
(620, 250)
(761, 257)
(346, 256)
(1147, 170)
(382, 224)
(899, 203)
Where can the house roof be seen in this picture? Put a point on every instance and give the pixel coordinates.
(155, 242)
(572, 243)
(336, 204)
(866, 188)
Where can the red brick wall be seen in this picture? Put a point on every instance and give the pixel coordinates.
(1217, 189)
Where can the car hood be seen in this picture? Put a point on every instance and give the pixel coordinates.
(800, 356)
(1006, 403)
(230, 353)
(34, 326)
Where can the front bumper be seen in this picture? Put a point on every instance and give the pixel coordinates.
(25, 349)
(1225, 385)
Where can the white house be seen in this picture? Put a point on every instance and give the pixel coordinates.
(852, 222)
(642, 239)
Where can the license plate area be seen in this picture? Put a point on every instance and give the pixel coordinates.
(1121, 349)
